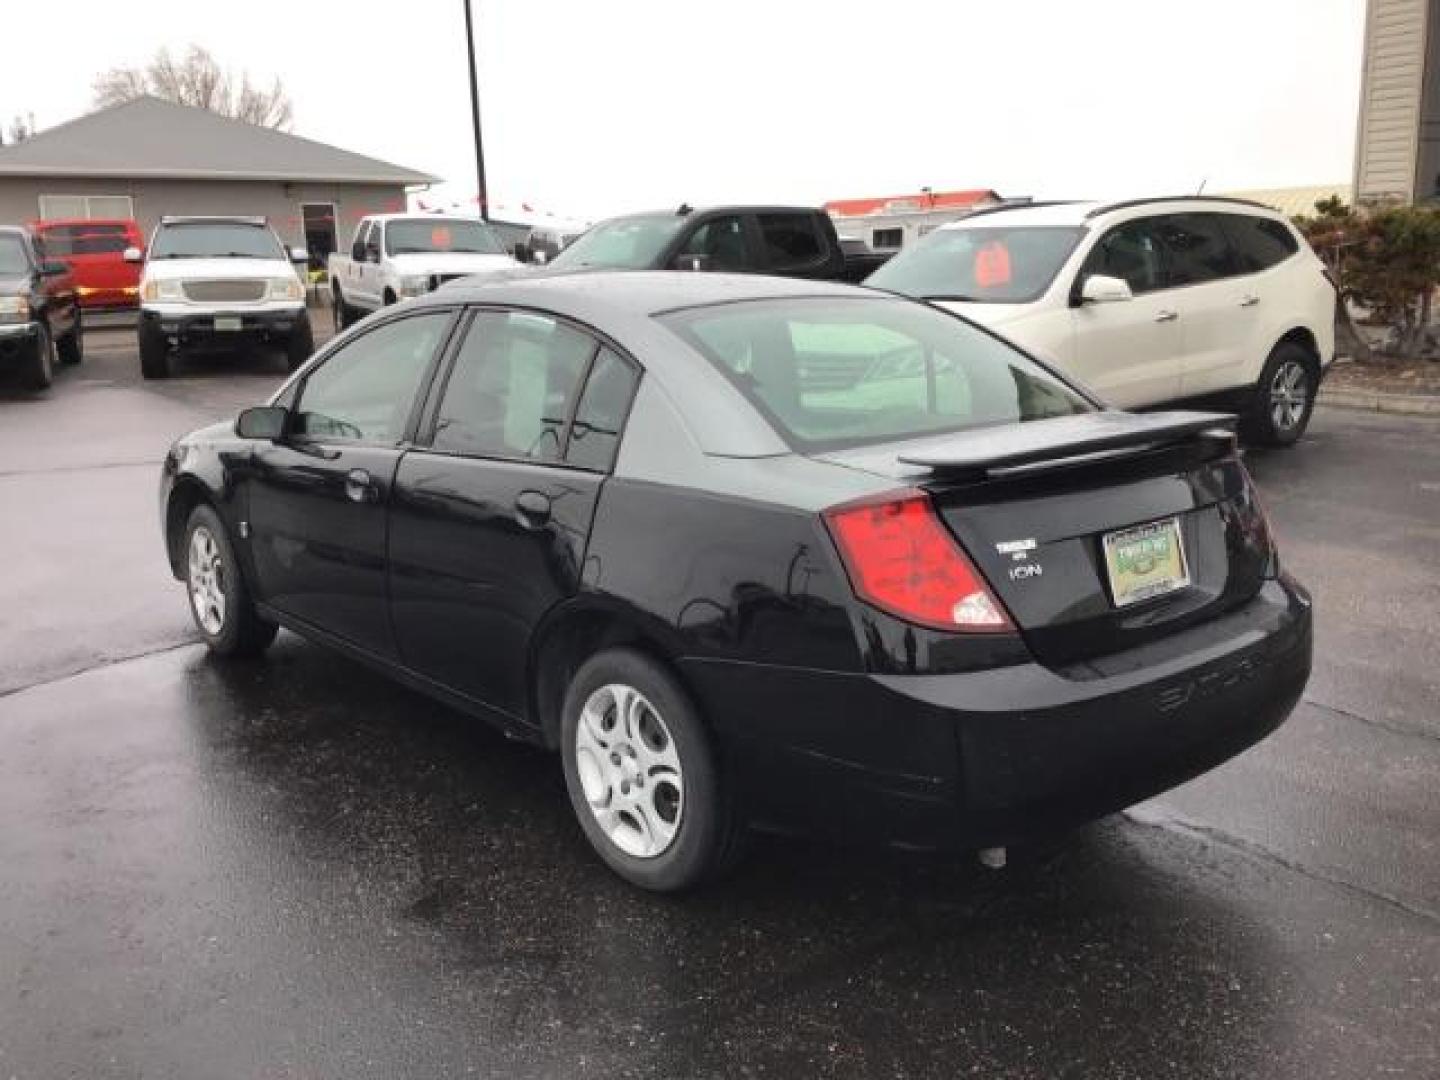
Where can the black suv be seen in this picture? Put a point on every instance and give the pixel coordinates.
(39, 313)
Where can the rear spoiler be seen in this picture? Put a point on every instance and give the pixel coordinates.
(1065, 441)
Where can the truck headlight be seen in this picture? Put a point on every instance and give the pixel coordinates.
(162, 290)
(285, 288)
(14, 309)
(415, 285)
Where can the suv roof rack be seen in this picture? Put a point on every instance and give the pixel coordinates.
(985, 210)
(1125, 204)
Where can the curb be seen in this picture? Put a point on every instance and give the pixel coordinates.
(1375, 401)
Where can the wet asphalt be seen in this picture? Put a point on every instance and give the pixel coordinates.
(293, 868)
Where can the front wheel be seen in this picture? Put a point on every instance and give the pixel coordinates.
(154, 352)
(220, 602)
(1284, 398)
(300, 345)
(340, 310)
(72, 346)
(643, 776)
(40, 365)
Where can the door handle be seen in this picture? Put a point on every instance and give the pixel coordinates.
(533, 509)
(1250, 301)
(1166, 316)
(360, 487)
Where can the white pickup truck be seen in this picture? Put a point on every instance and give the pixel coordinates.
(394, 256)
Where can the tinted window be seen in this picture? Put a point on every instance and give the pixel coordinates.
(595, 435)
(365, 389)
(509, 392)
(1259, 243)
(791, 240)
(992, 264)
(1196, 247)
(1130, 252)
(215, 239)
(409, 235)
(834, 373)
(722, 240)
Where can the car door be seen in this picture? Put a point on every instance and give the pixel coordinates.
(490, 518)
(316, 501)
(1209, 297)
(1128, 350)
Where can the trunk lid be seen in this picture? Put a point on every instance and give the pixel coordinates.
(1032, 505)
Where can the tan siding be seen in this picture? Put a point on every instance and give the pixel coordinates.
(1393, 86)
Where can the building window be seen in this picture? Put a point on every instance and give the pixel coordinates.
(86, 206)
(887, 238)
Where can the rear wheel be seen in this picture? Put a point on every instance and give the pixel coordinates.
(300, 344)
(643, 776)
(154, 352)
(1285, 397)
(220, 603)
(72, 346)
(40, 366)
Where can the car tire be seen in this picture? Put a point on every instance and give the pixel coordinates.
(72, 346)
(643, 774)
(154, 353)
(220, 602)
(39, 371)
(300, 345)
(1284, 398)
(344, 317)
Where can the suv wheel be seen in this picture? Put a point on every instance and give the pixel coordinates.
(642, 774)
(154, 352)
(72, 346)
(300, 345)
(1285, 396)
(220, 603)
(40, 368)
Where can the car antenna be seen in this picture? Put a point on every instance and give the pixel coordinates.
(685, 208)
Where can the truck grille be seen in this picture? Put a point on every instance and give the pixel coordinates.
(225, 290)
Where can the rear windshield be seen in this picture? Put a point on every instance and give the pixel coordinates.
(634, 243)
(215, 239)
(834, 373)
(987, 265)
(85, 238)
(406, 237)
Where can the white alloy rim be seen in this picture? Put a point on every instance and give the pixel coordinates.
(207, 580)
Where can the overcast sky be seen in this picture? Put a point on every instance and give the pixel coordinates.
(597, 106)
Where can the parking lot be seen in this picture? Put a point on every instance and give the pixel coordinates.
(295, 868)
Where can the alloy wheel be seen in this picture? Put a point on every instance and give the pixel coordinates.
(1289, 396)
(630, 771)
(207, 580)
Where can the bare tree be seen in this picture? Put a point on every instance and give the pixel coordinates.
(197, 79)
(20, 129)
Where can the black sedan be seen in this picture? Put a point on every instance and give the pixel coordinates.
(754, 552)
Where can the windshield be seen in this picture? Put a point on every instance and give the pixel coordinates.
(835, 373)
(409, 236)
(990, 265)
(215, 239)
(633, 243)
(13, 259)
(85, 238)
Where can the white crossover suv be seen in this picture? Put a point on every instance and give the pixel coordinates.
(1147, 302)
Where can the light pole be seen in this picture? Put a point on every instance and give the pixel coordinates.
(484, 198)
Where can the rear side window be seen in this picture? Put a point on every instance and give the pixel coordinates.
(600, 416)
(1197, 248)
(1259, 243)
(792, 241)
(510, 390)
(831, 373)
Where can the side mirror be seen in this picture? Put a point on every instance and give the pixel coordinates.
(54, 269)
(1100, 289)
(262, 422)
(133, 255)
(695, 263)
(299, 255)
(357, 252)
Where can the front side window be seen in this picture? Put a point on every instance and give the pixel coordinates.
(406, 236)
(1259, 243)
(215, 240)
(989, 264)
(634, 243)
(1130, 252)
(1196, 247)
(792, 241)
(831, 373)
(510, 389)
(722, 241)
(365, 389)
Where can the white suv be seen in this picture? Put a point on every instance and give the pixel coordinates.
(1149, 301)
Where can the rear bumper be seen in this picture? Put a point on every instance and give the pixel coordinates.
(200, 327)
(992, 757)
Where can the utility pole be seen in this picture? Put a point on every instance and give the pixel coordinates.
(484, 196)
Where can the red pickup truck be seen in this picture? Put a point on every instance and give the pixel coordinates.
(95, 253)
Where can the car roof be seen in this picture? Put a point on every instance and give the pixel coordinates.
(1086, 212)
(423, 215)
(214, 219)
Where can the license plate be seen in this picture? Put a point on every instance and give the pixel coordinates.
(1146, 561)
(228, 322)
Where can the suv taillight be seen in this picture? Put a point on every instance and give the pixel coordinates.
(902, 559)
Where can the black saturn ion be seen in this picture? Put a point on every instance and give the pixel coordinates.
(754, 553)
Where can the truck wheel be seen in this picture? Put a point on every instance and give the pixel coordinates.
(300, 345)
(72, 346)
(40, 366)
(154, 353)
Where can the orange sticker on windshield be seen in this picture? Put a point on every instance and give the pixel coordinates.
(992, 265)
(440, 237)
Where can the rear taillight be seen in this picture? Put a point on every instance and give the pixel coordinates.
(902, 559)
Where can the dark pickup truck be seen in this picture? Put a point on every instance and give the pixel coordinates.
(39, 310)
(791, 241)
